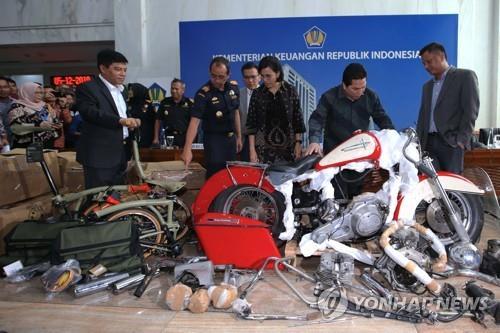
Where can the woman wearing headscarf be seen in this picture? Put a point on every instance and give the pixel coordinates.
(140, 106)
(30, 120)
(274, 123)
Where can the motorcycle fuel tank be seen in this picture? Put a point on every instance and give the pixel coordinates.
(363, 146)
(235, 240)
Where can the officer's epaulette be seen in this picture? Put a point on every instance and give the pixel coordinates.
(205, 88)
(233, 82)
(191, 100)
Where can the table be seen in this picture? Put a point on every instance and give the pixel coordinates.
(160, 155)
(488, 159)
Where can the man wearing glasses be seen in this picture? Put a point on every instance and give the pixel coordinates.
(217, 104)
(251, 77)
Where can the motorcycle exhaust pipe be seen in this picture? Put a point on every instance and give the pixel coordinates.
(372, 284)
(421, 275)
(93, 287)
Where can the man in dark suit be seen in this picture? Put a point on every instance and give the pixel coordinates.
(102, 149)
(448, 110)
(251, 78)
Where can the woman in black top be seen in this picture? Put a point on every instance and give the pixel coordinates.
(275, 124)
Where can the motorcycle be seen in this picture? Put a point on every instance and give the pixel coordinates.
(296, 200)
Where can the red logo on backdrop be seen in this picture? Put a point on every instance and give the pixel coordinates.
(70, 80)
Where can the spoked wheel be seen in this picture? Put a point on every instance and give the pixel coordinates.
(254, 203)
(470, 209)
(147, 224)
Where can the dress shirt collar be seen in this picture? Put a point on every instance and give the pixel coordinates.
(443, 76)
(110, 86)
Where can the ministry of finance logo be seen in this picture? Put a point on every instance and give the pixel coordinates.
(314, 38)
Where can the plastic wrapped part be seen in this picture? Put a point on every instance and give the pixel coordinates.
(177, 297)
(391, 144)
(203, 270)
(308, 247)
(199, 301)
(222, 296)
(126, 284)
(170, 175)
(28, 272)
(98, 285)
(60, 277)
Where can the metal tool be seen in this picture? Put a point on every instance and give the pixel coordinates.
(126, 284)
(98, 285)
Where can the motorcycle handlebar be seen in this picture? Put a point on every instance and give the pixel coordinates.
(411, 133)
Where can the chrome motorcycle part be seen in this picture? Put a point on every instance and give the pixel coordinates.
(465, 256)
(328, 209)
(471, 274)
(402, 262)
(363, 217)
(370, 282)
(334, 268)
(470, 209)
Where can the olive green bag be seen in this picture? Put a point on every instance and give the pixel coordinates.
(31, 241)
(114, 245)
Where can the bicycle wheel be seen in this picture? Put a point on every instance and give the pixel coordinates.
(147, 224)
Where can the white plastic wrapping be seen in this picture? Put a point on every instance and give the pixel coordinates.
(308, 247)
(391, 143)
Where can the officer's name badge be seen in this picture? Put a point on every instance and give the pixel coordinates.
(215, 100)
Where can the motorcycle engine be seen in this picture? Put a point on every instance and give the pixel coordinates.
(363, 217)
(407, 242)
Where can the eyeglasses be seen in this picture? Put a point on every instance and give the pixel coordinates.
(250, 77)
(220, 77)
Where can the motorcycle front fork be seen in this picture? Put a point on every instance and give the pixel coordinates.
(463, 253)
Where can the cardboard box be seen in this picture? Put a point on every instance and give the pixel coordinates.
(36, 208)
(194, 180)
(21, 180)
(71, 172)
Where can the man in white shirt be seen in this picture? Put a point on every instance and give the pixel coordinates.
(104, 147)
(251, 77)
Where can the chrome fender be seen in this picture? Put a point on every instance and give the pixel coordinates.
(405, 210)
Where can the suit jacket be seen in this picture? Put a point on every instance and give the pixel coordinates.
(243, 109)
(456, 108)
(101, 141)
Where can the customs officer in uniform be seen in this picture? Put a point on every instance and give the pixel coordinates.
(217, 104)
(174, 114)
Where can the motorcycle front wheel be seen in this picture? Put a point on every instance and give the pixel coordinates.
(469, 208)
(254, 203)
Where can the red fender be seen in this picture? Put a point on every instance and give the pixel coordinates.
(220, 181)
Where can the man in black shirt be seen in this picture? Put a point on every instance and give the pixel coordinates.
(174, 113)
(341, 111)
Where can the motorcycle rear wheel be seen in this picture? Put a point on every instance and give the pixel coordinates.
(252, 202)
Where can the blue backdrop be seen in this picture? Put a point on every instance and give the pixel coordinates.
(317, 49)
